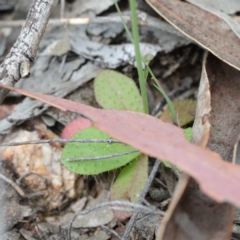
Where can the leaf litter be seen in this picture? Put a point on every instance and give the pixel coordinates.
(83, 47)
(113, 91)
(228, 7)
(187, 18)
(93, 35)
(217, 133)
(201, 164)
(188, 202)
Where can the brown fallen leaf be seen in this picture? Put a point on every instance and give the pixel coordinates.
(185, 110)
(230, 21)
(193, 215)
(220, 180)
(236, 151)
(169, 227)
(203, 27)
(225, 102)
(201, 126)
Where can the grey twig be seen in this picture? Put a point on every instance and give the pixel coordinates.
(109, 141)
(143, 20)
(149, 211)
(14, 185)
(146, 202)
(141, 198)
(101, 157)
(34, 195)
(111, 231)
(62, 9)
(176, 171)
(137, 206)
(17, 63)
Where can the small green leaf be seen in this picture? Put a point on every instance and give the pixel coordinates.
(188, 135)
(130, 183)
(185, 110)
(167, 164)
(113, 91)
(77, 150)
(116, 91)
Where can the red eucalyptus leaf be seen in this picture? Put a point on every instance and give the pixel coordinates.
(220, 180)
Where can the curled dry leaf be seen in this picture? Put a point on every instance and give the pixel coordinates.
(201, 126)
(236, 151)
(225, 102)
(203, 27)
(218, 179)
(217, 127)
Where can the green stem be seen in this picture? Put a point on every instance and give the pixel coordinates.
(169, 102)
(123, 21)
(142, 82)
(143, 74)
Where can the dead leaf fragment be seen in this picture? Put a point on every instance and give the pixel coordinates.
(96, 218)
(201, 126)
(225, 102)
(185, 110)
(192, 215)
(230, 21)
(203, 27)
(236, 152)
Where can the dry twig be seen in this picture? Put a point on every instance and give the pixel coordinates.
(60, 140)
(143, 20)
(101, 157)
(141, 199)
(112, 205)
(17, 63)
(14, 185)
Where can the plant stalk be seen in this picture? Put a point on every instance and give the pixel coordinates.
(142, 82)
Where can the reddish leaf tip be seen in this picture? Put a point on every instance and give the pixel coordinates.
(75, 126)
